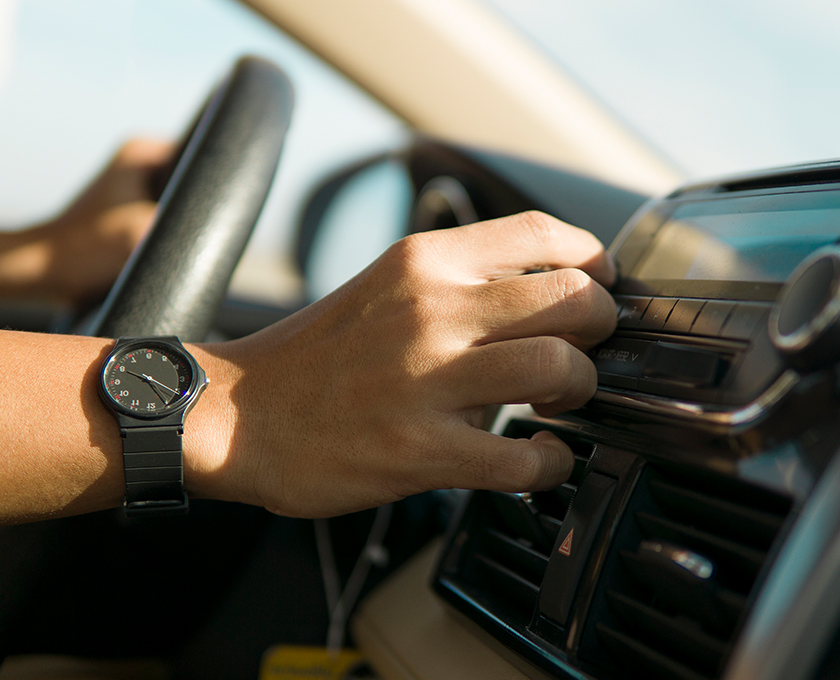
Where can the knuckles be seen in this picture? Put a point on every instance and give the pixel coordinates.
(551, 360)
(423, 304)
(592, 307)
(576, 289)
(409, 256)
(544, 229)
(568, 379)
(540, 226)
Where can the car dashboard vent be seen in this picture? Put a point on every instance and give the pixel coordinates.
(677, 581)
(499, 555)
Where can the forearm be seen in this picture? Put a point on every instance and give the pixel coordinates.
(60, 448)
(24, 262)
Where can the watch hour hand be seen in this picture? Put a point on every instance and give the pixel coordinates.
(157, 392)
(151, 382)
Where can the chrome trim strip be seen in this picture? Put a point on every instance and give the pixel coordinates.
(704, 414)
(553, 662)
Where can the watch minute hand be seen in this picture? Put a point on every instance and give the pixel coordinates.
(157, 382)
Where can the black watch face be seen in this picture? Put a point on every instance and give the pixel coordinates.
(148, 379)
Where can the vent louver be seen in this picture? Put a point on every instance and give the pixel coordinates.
(692, 552)
(504, 542)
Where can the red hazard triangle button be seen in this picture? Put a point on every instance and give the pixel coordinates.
(566, 546)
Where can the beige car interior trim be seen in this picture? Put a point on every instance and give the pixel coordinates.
(407, 633)
(57, 667)
(455, 69)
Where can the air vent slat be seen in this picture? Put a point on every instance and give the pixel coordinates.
(679, 591)
(499, 555)
(551, 526)
(750, 525)
(515, 555)
(685, 562)
(734, 603)
(507, 584)
(636, 654)
(686, 640)
(580, 468)
(726, 553)
(561, 499)
(520, 519)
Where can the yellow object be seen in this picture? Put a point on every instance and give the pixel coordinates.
(307, 663)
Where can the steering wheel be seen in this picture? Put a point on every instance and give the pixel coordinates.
(176, 279)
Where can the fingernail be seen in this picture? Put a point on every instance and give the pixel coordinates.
(544, 436)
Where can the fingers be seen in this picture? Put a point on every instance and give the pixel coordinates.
(480, 460)
(525, 242)
(543, 370)
(563, 302)
(144, 153)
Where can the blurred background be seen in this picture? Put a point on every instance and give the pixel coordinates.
(713, 87)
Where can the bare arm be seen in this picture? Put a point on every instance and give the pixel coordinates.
(372, 394)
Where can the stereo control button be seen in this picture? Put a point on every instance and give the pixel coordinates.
(632, 309)
(743, 321)
(683, 316)
(712, 317)
(656, 314)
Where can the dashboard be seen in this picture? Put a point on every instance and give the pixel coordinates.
(697, 536)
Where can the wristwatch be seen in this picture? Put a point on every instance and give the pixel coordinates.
(150, 384)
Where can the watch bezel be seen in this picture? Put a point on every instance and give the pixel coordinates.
(124, 346)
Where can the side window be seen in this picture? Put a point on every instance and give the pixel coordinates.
(76, 79)
(368, 213)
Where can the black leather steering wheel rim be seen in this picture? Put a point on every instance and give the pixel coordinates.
(176, 279)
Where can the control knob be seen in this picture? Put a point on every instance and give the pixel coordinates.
(805, 321)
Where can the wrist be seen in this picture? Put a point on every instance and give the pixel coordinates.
(211, 468)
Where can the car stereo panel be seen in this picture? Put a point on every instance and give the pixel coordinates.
(685, 348)
(700, 274)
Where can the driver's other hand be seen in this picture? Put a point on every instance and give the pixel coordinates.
(75, 257)
(377, 391)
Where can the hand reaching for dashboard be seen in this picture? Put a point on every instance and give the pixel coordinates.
(374, 393)
(75, 257)
(377, 391)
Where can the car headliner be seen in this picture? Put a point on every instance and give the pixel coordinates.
(453, 69)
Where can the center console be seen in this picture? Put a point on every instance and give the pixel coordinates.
(714, 423)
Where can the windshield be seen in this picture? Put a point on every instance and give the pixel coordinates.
(718, 87)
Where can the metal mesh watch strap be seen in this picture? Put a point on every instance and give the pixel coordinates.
(154, 470)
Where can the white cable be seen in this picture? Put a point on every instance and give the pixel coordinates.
(329, 570)
(372, 553)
